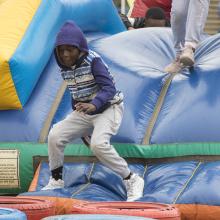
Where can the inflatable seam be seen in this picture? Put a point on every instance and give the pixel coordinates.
(87, 184)
(45, 130)
(145, 170)
(187, 183)
(158, 106)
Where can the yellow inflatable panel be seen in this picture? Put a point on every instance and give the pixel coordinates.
(16, 16)
(1, 1)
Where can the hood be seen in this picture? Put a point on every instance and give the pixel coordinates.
(70, 34)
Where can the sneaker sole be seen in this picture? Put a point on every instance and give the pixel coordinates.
(186, 61)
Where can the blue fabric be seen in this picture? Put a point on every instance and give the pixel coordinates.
(164, 181)
(136, 59)
(203, 188)
(190, 112)
(187, 182)
(38, 90)
(25, 125)
(12, 214)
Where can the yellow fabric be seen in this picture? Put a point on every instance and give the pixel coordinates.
(1, 1)
(130, 2)
(15, 16)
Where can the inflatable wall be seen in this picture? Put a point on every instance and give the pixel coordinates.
(26, 46)
(30, 77)
(169, 133)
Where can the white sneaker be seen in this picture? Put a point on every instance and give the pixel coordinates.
(134, 187)
(187, 56)
(54, 184)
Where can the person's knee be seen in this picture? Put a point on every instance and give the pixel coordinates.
(53, 137)
(97, 144)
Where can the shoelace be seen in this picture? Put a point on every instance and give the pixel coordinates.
(130, 187)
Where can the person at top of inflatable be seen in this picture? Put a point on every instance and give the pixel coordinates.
(140, 7)
(97, 109)
(154, 17)
(188, 19)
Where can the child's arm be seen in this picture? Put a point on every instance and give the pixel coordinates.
(105, 82)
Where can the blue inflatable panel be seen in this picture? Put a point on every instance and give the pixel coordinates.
(64, 109)
(25, 125)
(165, 181)
(94, 217)
(131, 61)
(190, 112)
(12, 214)
(186, 182)
(205, 186)
(136, 59)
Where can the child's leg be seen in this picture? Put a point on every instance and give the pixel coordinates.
(179, 12)
(197, 15)
(106, 125)
(75, 125)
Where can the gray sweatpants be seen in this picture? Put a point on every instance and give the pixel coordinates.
(188, 19)
(77, 125)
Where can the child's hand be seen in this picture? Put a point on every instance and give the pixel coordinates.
(85, 107)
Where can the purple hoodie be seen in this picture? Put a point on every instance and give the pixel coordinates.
(70, 34)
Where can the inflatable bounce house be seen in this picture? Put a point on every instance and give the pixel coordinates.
(170, 133)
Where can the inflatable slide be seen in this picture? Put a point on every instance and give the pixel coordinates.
(170, 129)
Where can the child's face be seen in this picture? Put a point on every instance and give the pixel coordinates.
(68, 55)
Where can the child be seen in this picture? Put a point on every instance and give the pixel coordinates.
(154, 17)
(97, 107)
(188, 19)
